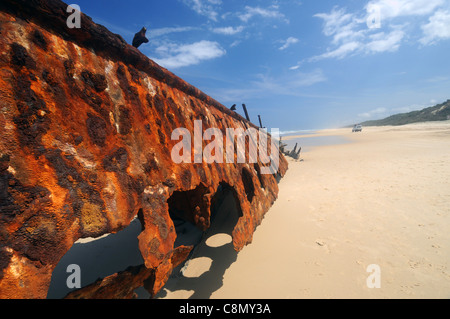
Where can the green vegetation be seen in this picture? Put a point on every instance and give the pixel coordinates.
(440, 112)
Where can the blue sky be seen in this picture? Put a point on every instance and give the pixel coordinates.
(299, 64)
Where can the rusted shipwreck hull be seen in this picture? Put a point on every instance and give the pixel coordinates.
(86, 147)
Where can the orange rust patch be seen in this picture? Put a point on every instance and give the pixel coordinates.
(87, 139)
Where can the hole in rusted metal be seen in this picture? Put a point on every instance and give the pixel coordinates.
(258, 172)
(203, 272)
(249, 187)
(188, 210)
(221, 195)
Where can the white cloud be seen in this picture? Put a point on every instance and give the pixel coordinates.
(288, 42)
(163, 31)
(437, 28)
(228, 30)
(235, 43)
(375, 43)
(341, 52)
(344, 28)
(352, 33)
(381, 42)
(250, 12)
(176, 56)
(397, 8)
(335, 20)
(207, 8)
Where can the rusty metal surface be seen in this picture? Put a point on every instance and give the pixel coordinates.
(86, 147)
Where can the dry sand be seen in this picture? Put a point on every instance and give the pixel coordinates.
(382, 199)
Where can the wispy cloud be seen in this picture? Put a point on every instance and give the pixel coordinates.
(347, 37)
(228, 30)
(288, 42)
(399, 8)
(351, 33)
(439, 78)
(341, 52)
(270, 12)
(375, 112)
(384, 42)
(288, 84)
(176, 55)
(235, 43)
(168, 30)
(337, 23)
(207, 8)
(291, 84)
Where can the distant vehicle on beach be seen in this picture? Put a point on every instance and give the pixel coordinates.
(357, 128)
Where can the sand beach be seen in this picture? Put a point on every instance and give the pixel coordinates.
(381, 198)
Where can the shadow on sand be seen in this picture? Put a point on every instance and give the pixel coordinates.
(203, 273)
(98, 258)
